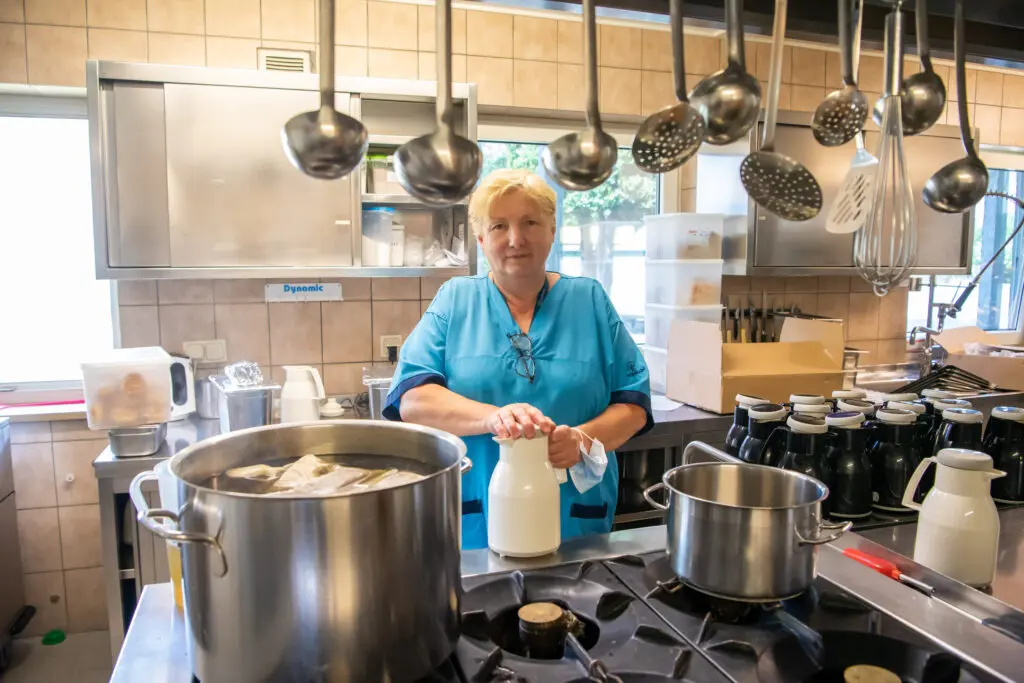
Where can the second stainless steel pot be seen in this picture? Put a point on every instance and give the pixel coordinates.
(744, 532)
(358, 587)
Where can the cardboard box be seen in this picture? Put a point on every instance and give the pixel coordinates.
(1004, 373)
(705, 372)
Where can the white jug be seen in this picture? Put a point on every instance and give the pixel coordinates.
(958, 526)
(523, 515)
(301, 394)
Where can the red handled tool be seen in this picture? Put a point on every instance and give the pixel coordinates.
(888, 568)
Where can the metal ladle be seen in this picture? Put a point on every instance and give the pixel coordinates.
(670, 136)
(841, 116)
(960, 184)
(775, 181)
(440, 168)
(729, 100)
(325, 144)
(584, 160)
(923, 93)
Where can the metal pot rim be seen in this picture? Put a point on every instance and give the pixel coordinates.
(822, 489)
(451, 439)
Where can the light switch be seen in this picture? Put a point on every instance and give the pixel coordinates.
(216, 350)
(195, 350)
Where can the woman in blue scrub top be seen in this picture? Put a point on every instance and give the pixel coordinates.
(522, 351)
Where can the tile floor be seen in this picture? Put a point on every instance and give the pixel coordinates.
(82, 658)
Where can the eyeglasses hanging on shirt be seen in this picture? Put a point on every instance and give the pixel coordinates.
(525, 365)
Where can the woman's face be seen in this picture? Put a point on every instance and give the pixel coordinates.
(517, 236)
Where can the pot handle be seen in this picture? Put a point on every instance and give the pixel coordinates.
(653, 503)
(837, 529)
(466, 465)
(147, 517)
(915, 480)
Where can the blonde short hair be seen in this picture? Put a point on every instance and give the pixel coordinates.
(499, 183)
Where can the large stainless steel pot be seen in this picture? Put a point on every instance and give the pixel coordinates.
(744, 532)
(360, 587)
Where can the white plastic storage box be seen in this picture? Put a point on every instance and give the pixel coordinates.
(684, 283)
(657, 367)
(128, 388)
(658, 320)
(684, 236)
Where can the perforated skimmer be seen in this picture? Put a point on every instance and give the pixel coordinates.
(840, 117)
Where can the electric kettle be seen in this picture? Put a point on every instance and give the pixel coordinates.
(302, 394)
(958, 525)
(523, 510)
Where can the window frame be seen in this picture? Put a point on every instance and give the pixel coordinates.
(52, 102)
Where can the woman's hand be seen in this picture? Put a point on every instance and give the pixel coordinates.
(518, 419)
(564, 447)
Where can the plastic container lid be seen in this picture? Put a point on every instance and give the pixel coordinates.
(896, 417)
(964, 459)
(332, 408)
(1008, 413)
(849, 393)
(767, 412)
(916, 408)
(747, 401)
(963, 415)
(941, 405)
(856, 405)
(812, 408)
(807, 424)
(907, 396)
(806, 399)
(937, 393)
(851, 420)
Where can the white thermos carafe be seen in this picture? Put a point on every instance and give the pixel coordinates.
(958, 525)
(302, 394)
(523, 500)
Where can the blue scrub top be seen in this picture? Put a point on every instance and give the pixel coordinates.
(585, 360)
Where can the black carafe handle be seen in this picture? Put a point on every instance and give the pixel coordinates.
(778, 433)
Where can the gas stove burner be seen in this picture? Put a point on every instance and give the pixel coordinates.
(543, 628)
(787, 662)
(668, 588)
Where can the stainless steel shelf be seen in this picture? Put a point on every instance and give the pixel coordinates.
(398, 200)
(631, 517)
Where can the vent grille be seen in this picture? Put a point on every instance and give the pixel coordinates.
(284, 60)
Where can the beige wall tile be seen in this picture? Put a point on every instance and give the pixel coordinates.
(459, 24)
(239, 291)
(394, 317)
(74, 430)
(620, 46)
(989, 88)
(701, 54)
(246, 329)
(136, 292)
(859, 284)
(45, 592)
(656, 54)
(808, 66)
(834, 305)
(424, 305)
(347, 332)
(30, 432)
(972, 87)
(355, 288)
(870, 347)
(231, 53)
(350, 22)
(987, 118)
(237, 18)
(863, 322)
(392, 25)
(176, 16)
(129, 14)
(295, 334)
(80, 536)
(56, 12)
(831, 283)
(173, 48)
(892, 351)
(570, 87)
(430, 285)
(393, 64)
(426, 28)
(428, 67)
(532, 85)
(535, 38)
(351, 61)
(426, 25)
(768, 284)
(1013, 91)
(33, 475)
(570, 42)
(1011, 127)
(56, 55)
(871, 74)
(806, 98)
(73, 460)
(12, 10)
(688, 200)
(735, 284)
(343, 378)
(185, 292)
(620, 91)
(39, 536)
(656, 91)
(804, 302)
(892, 314)
(399, 288)
(759, 59)
(86, 603)
(179, 324)
(13, 65)
(139, 325)
(288, 20)
(489, 34)
(833, 72)
(493, 77)
(802, 284)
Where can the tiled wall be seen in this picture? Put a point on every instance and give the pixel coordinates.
(59, 524)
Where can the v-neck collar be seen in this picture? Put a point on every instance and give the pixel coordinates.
(510, 321)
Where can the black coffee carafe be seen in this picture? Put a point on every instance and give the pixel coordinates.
(893, 456)
(1004, 441)
(807, 443)
(937, 408)
(924, 424)
(847, 459)
(856, 405)
(762, 420)
(738, 431)
(960, 428)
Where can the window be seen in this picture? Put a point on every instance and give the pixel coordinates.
(55, 311)
(996, 303)
(600, 232)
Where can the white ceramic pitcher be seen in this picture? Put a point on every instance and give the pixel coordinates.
(958, 525)
(523, 516)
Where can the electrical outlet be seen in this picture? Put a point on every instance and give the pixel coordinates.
(387, 340)
(216, 350)
(194, 350)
